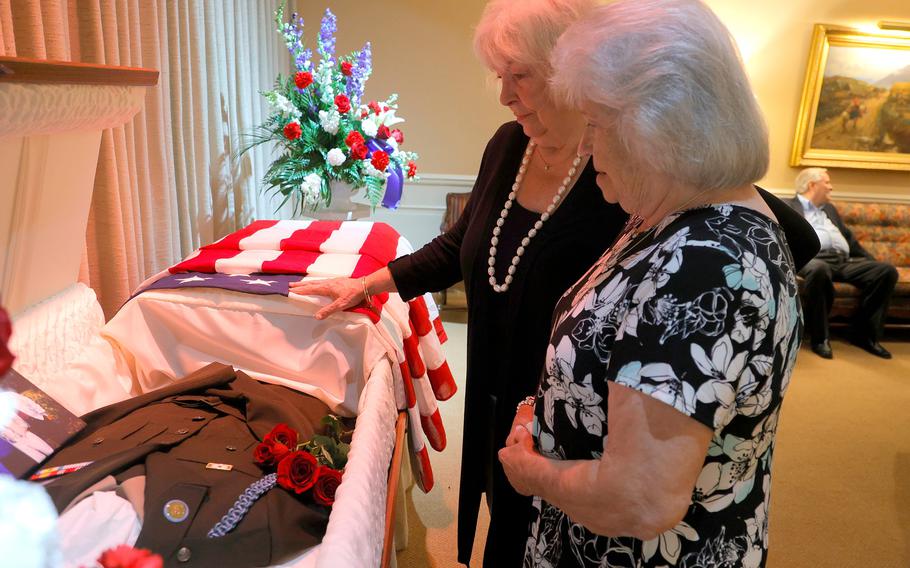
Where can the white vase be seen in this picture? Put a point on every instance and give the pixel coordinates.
(347, 204)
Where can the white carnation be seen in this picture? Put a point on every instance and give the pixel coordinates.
(369, 127)
(335, 157)
(286, 106)
(372, 171)
(329, 121)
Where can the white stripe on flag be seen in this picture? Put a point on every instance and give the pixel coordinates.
(270, 238)
(328, 264)
(348, 238)
(404, 247)
(246, 262)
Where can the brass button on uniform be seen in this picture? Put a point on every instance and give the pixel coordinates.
(231, 448)
(182, 431)
(184, 554)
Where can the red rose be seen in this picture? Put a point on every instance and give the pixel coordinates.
(346, 68)
(283, 434)
(374, 106)
(359, 150)
(6, 330)
(303, 79)
(292, 131)
(383, 133)
(343, 103)
(380, 160)
(398, 135)
(412, 169)
(354, 138)
(298, 472)
(326, 485)
(125, 556)
(270, 452)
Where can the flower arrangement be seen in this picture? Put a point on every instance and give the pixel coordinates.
(314, 466)
(325, 131)
(125, 556)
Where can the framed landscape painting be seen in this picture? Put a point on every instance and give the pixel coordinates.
(855, 110)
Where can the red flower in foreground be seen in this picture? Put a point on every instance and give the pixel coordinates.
(359, 150)
(326, 485)
(374, 106)
(292, 131)
(343, 103)
(125, 556)
(383, 133)
(346, 68)
(412, 169)
(380, 160)
(303, 79)
(398, 135)
(354, 138)
(298, 472)
(6, 330)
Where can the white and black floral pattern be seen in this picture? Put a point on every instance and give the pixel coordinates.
(702, 315)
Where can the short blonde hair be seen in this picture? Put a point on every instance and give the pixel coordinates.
(807, 176)
(671, 74)
(525, 31)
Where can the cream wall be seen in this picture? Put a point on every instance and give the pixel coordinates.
(422, 50)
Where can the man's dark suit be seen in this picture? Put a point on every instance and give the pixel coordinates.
(875, 279)
(169, 435)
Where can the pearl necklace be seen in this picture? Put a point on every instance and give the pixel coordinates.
(494, 240)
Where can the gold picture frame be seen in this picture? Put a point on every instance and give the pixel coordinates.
(855, 109)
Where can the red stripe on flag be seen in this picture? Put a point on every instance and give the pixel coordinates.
(366, 265)
(204, 261)
(425, 470)
(409, 395)
(412, 354)
(440, 331)
(420, 316)
(442, 382)
(434, 430)
(232, 241)
(291, 262)
(312, 237)
(381, 243)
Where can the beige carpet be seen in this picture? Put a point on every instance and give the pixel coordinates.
(841, 481)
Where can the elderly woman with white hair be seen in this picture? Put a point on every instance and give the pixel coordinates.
(668, 361)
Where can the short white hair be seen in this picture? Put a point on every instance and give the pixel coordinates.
(670, 72)
(808, 176)
(525, 31)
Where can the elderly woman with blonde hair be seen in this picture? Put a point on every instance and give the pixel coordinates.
(668, 360)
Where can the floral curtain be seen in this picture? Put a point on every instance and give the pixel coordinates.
(170, 179)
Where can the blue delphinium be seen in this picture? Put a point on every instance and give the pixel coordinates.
(327, 36)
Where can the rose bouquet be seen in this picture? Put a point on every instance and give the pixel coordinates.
(325, 131)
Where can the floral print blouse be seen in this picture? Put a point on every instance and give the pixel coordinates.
(702, 314)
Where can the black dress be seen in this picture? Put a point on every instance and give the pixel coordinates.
(508, 331)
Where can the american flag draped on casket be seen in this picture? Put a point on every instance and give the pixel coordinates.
(266, 256)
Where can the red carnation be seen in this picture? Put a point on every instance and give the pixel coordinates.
(343, 103)
(398, 135)
(6, 330)
(303, 79)
(354, 138)
(298, 472)
(374, 106)
(359, 150)
(380, 160)
(383, 133)
(292, 131)
(326, 485)
(364, 114)
(125, 556)
(412, 169)
(346, 68)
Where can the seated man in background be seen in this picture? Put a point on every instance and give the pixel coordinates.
(840, 259)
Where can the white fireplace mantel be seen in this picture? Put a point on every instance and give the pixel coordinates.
(52, 115)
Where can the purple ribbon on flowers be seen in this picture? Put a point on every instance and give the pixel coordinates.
(394, 184)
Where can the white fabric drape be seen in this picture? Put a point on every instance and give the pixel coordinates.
(170, 179)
